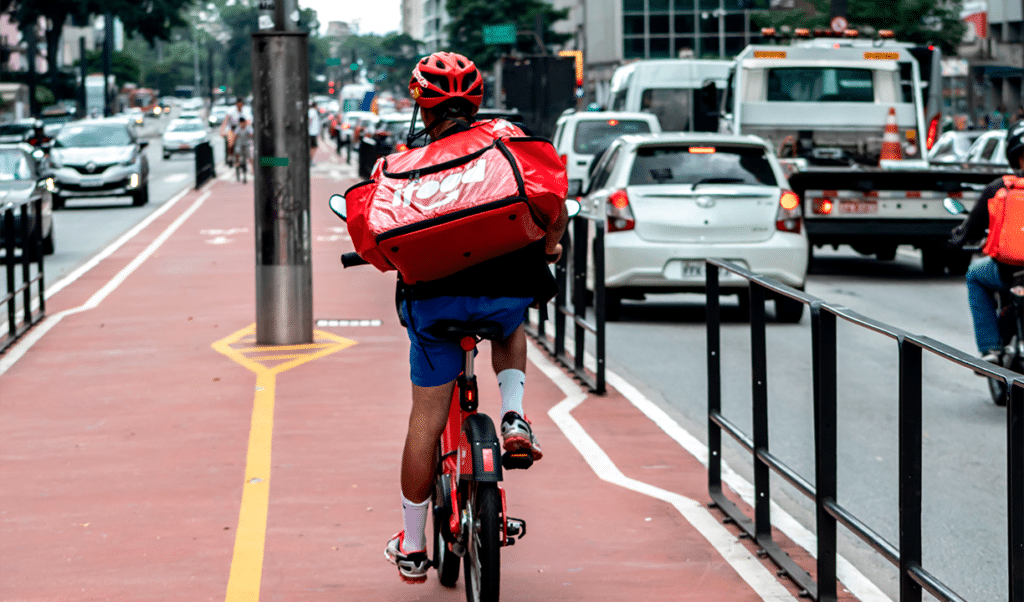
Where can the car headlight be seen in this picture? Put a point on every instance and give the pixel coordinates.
(51, 185)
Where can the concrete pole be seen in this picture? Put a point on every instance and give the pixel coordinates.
(31, 40)
(84, 71)
(284, 286)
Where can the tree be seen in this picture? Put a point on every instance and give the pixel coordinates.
(151, 19)
(921, 21)
(468, 18)
(123, 66)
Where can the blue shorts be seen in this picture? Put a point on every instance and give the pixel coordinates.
(433, 361)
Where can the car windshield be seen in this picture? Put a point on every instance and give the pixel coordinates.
(14, 166)
(94, 135)
(191, 126)
(9, 129)
(593, 136)
(820, 84)
(701, 163)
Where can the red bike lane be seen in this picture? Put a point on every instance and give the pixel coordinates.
(131, 445)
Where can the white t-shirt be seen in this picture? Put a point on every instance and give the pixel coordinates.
(234, 114)
(314, 121)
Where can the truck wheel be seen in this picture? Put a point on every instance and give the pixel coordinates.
(933, 261)
(886, 253)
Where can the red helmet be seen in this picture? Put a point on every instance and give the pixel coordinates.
(443, 76)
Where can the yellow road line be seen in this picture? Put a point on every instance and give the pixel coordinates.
(250, 537)
(285, 347)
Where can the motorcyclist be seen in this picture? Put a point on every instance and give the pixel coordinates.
(987, 276)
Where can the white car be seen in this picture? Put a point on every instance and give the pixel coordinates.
(581, 136)
(988, 149)
(182, 136)
(349, 121)
(669, 201)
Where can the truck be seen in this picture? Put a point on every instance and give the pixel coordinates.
(96, 97)
(682, 93)
(828, 105)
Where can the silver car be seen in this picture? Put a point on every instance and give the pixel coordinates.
(99, 158)
(182, 136)
(669, 201)
(23, 179)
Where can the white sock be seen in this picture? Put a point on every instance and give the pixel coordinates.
(414, 518)
(511, 382)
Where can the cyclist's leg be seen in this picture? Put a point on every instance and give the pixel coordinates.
(982, 279)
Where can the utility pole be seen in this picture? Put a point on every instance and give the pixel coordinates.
(108, 58)
(31, 41)
(839, 8)
(284, 282)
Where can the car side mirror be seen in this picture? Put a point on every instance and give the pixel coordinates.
(573, 207)
(337, 205)
(954, 206)
(143, 143)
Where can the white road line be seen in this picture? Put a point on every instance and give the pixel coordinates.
(853, 579)
(39, 331)
(175, 178)
(749, 568)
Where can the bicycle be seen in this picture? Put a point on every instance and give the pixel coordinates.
(468, 505)
(240, 161)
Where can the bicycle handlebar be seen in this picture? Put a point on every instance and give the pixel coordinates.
(350, 260)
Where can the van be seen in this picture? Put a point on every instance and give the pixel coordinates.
(581, 136)
(672, 89)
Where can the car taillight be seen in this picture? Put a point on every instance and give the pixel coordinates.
(345, 126)
(933, 132)
(619, 215)
(789, 215)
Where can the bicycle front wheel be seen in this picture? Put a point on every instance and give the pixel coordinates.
(483, 543)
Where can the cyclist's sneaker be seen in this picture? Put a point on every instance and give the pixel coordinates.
(517, 435)
(412, 566)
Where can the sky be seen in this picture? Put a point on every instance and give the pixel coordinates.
(373, 16)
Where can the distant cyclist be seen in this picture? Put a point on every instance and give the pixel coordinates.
(448, 89)
(243, 144)
(987, 276)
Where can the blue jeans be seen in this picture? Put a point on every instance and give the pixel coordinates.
(982, 282)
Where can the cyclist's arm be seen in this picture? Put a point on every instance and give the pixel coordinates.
(555, 230)
(974, 227)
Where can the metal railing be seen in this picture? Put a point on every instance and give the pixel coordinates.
(204, 163)
(913, 577)
(570, 302)
(25, 236)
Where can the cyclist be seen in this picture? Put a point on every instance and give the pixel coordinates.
(230, 125)
(987, 276)
(448, 89)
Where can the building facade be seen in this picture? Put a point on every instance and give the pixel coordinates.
(426, 20)
(991, 94)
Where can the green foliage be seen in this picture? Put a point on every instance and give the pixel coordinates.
(388, 60)
(921, 21)
(44, 97)
(123, 66)
(465, 31)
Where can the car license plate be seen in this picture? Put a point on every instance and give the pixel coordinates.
(846, 206)
(92, 181)
(679, 269)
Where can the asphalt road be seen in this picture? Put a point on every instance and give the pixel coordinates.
(660, 345)
(85, 226)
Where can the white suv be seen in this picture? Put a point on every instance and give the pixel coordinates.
(581, 136)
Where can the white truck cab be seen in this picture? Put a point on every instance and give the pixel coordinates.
(580, 136)
(670, 89)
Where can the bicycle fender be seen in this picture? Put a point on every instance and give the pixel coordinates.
(479, 450)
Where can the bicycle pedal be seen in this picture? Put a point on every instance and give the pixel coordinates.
(514, 527)
(517, 459)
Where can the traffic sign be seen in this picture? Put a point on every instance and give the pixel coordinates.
(500, 34)
(839, 24)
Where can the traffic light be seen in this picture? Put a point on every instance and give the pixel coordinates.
(330, 87)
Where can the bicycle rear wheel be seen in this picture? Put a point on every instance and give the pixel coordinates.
(445, 561)
(483, 543)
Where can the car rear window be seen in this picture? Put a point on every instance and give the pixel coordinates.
(708, 163)
(594, 136)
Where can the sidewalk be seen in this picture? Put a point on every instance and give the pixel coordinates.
(135, 444)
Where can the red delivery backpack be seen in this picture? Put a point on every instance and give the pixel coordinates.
(1005, 241)
(472, 196)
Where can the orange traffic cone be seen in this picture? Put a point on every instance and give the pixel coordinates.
(891, 149)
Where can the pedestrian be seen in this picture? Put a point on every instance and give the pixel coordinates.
(314, 129)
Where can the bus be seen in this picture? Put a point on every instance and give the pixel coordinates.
(357, 97)
(145, 99)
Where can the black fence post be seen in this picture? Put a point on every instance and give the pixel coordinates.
(204, 163)
(713, 320)
(599, 315)
(823, 341)
(37, 242)
(759, 388)
(562, 275)
(1015, 485)
(581, 233)
(910, 468)
(8, 225)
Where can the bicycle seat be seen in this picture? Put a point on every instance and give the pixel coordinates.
(456, 330)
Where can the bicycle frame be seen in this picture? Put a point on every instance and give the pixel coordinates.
(469, 444)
